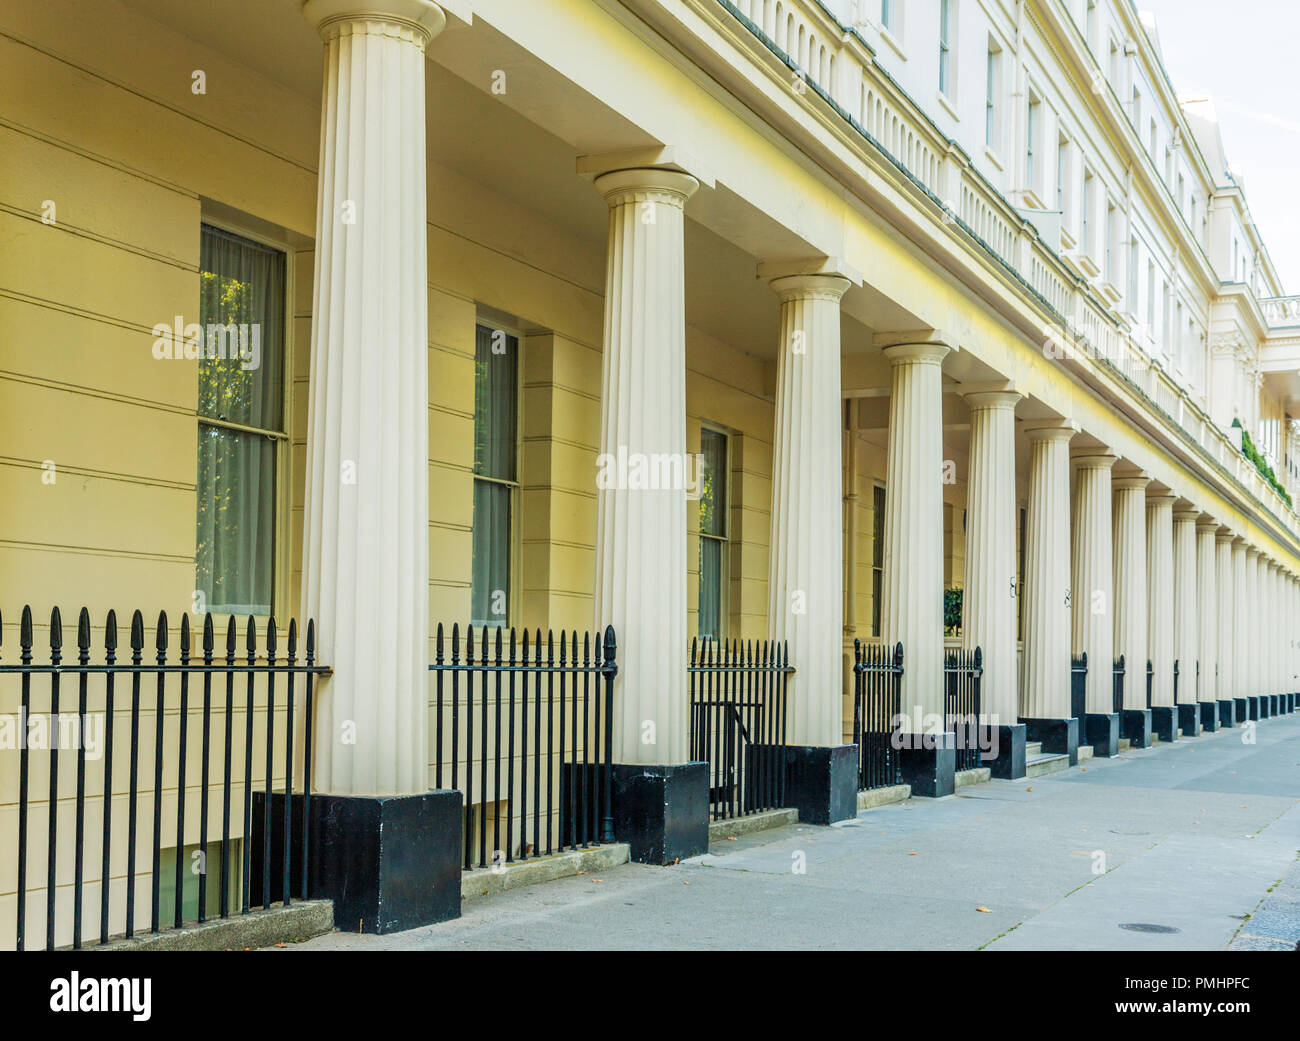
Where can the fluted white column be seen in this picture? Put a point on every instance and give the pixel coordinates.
(1160, 596)
(366, 530)
(1240, 620)
(989, 597)
(641, 531)
(806, 569)
(1046, 682)
(1130, 538)
(1273, 605)
(1248, 624)
(1225, 613)
(1092, 588)
(913, 579)
(1207, 607)
(1185, 604)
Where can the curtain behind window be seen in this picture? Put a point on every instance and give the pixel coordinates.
(713, 530)
(496, 359)
(241, 284)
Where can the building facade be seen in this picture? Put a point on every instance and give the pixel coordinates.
(753, 320)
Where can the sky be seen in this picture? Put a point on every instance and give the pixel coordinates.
(1247, 64)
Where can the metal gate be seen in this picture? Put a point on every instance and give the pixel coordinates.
(962, 672)
(876, 705)
(738, 696)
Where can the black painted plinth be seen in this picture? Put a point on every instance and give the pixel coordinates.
(1227, 713)
(1135, 724)
(1243, 709)
(822, 782)
(1002, 750)
(662, 812)
(1059, 736)
(929, 763)
(1101, 730)
(388, 862)
(1252, 707)
(1272, 704)
(1189, 719)
(1265, 706)
(1164, 722)
(1209, 715)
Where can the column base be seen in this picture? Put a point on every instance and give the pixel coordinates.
(1209, 715)
(1002, 750)
(1135, 724)
(1227, 713)
(1164, 722)
(1059, 736)
(822, 782)
(1101, 730)
(388, 862)
(1189, 719)
(661, 812)
(1243, 709)
(929, 763)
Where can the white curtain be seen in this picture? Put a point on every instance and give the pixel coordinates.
(241, 283)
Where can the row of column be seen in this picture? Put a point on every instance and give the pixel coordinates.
(365, 545)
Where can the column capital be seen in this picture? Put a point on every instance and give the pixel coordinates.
(1187, 512)
(1239, 541)
(1252, 551)
(916, 354)
(1132, 480)
(647, 184)
(1204, 522)
(1091, 460)
(668, 158)
(824, 267)
(890, 341)
(422, 19)
(990, 399)
(1060, 430)
(810, 287)
(1224, 534)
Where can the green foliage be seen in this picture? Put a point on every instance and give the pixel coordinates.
(1249, 450)
(952, 601)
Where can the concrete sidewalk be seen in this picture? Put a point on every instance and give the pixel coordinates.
(1188, 837)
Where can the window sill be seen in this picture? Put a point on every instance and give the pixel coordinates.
(895, 44)
(947, 104)
(994, 158)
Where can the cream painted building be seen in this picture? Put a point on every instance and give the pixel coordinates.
(938, 294)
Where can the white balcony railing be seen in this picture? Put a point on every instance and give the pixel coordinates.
(834, 61)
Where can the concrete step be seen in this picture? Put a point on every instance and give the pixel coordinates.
(1085, 753)
(1125, 743)
(1033, 748)
(977, 775)
(1049, 763)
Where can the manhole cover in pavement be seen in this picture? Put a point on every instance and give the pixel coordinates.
(1147, 927)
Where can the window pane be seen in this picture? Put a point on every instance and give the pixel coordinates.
(241, 314)
(496, 359)
(490, 566)
(711, 586)
(713, 484)
(235, 547)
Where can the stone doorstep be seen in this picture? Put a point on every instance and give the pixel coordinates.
(874, 797)
(977, 775)
(301, 920)
(487, 881)
(734, 827)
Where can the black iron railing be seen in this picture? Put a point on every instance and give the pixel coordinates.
(962, 673)
(1117, 702)
(1176, 672)
(877, 704)
(1079, 686)
(252, 723)
(525, 729)
(1151, 675)
(738, 720)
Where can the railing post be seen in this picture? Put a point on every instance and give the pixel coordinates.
(611, 670)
